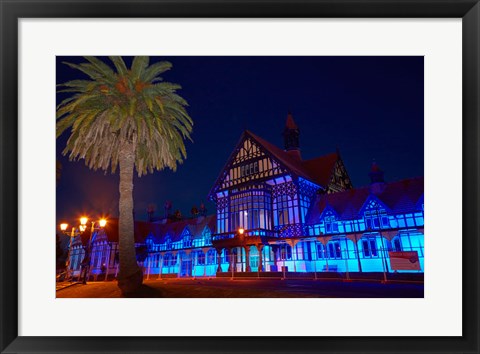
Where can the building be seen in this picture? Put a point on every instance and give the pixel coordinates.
(278, 213)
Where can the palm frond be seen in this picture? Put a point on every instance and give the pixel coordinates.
(119, 105)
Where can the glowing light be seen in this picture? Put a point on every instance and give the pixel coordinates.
(83, 228)
(102, 222)
(241, 231)
(83, 220)
(63, 226)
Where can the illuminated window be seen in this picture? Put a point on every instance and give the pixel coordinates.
(211, 257)
(285, 252)
(369, 246)
(168, 242)
(330, 224)
(200, 258)
(375, 216)
(207, 236)
(320, 250)
(225, 256)
(149, 243)
(303, 251)
(334, 250)
(250, 210)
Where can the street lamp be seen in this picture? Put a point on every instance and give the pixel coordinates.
(78, 232)
(72, 234)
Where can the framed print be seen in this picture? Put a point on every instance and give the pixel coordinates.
(239, 177)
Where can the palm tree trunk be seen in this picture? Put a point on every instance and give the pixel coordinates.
(130, 275)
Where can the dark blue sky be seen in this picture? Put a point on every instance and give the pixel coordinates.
(368, 107)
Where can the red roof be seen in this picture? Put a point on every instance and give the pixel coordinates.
(400, 196)
(159, 230)
(322, 167)
(318, 170)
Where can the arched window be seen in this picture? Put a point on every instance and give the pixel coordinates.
(334, 250)
(320, 250)
(369, 247)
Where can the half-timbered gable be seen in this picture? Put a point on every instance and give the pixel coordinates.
(340, 180)
(250, 161)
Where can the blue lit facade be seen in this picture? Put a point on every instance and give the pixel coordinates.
(276, 212)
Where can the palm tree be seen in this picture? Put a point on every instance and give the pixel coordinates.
(58, 171)
(126, 118)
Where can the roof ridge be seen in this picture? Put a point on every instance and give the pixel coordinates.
(319, 157)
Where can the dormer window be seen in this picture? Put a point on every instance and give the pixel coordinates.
(207, 236)
(187, 238)
(168, 243)
(376, 216)
(149, 243)
(330, 222)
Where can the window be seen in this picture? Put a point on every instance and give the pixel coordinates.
(375, 216)
(200, 258)
(369, 248)
(307, 251)
(170, 260)
(187, 238)
(211, 256)
(187, 241)
(149, 243)
(286, 210)
(285, 252)
(168, 242)
(225, 256)
(320, 251)
(397, 245)
(330, 224)
(250, 210)
(207, 236)
(419, 219)
(249, 169)
(334, 250)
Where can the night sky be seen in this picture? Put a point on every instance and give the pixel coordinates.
(368, 107)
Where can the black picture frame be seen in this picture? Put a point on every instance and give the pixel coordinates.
(11, 11)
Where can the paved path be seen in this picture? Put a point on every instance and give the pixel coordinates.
(60, 285)
(221, 288)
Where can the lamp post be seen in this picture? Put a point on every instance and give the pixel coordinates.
(72, 234)
(78, 232)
